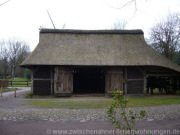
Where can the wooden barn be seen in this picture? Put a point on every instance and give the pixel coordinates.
(67, 62)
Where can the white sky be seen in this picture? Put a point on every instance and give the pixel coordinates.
(21, 19)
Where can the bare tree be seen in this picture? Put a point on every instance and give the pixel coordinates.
(119, 25)
(18, 50)
(126, 3)
(165, 36)
(121, 5)
(12, 53)
(4, 59)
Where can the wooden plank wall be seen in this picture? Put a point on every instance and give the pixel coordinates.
(63, 81)
(135, 83)
(113, 80)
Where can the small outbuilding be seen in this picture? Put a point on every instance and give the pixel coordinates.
(67, 62)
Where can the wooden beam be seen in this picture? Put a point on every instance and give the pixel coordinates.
(125, 78)
(39, 79)
(163, 75)
(52, 91)
(138, 79)
(32, 82)
(145, 84)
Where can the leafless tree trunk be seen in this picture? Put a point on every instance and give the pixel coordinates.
(17, 52)
(4, 58)
(12, 53)
(165, 36)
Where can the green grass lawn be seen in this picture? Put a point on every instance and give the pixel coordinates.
(101, 102)
(71, 103)
(153, 100)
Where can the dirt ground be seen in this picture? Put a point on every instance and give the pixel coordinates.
(18, 118)
(162, 127)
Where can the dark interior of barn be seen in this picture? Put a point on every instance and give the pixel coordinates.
(89, 81)
(164, 84)
(42, 81)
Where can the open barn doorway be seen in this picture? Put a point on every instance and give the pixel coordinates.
(162, 85)
(89, 80)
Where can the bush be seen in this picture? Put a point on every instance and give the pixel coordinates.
(120, 115)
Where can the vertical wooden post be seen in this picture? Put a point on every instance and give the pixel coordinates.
(55, 79)
(52, 91)
(11, 83)
(32, 80)
(125, 82)
(15, 93)
(1, 91)
(145, 84)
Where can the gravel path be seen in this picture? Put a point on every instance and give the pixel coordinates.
(20, 91)
(8, 101)
(83, 115)
(18, 117)
(16, 109)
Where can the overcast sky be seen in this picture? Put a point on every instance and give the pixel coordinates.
(21, 19)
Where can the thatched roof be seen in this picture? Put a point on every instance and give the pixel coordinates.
(95, 48)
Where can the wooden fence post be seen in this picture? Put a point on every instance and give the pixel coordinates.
(15, 93)
(1, 91)
(11, 83)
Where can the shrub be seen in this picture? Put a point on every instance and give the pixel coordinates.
(120, 115)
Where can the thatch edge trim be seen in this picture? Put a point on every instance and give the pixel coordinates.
(71, 31)
(32, 65)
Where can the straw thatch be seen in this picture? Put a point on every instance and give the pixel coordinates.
(95, 48)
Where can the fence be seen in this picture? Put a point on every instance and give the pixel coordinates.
(14, 83)
(19, 83)
(4, 83)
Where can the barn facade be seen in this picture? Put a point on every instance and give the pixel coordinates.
(67, 62)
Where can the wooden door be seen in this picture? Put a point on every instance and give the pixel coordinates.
(63, 79)
(114, 80)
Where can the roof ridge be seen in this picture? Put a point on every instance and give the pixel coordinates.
(79, 31)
